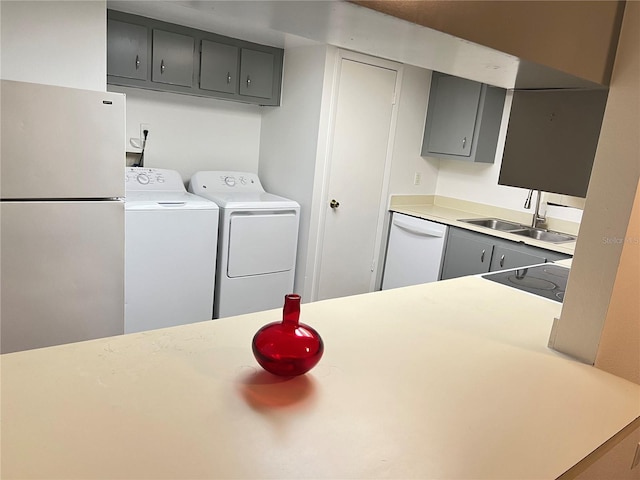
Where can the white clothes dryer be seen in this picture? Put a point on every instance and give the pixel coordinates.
(170, 251)
(257, 243)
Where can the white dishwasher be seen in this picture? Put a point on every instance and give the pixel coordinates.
(414, 251)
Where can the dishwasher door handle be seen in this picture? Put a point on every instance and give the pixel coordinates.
(424, 230)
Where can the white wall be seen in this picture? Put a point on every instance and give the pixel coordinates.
(55, 42)
(289, 143)
(406, 160)
(190, 133)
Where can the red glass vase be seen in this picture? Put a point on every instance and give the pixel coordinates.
(288, 348)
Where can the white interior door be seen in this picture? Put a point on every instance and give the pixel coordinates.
(357, 162)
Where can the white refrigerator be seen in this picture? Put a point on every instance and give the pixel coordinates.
(62, 215)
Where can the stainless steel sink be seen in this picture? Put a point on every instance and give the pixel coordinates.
(519, 229)
(545, 236)
(494, 224)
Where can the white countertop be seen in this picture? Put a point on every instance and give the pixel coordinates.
(446, 380)
(452, 216)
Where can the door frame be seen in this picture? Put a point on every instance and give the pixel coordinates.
(324, 170)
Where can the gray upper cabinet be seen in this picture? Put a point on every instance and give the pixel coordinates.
(127, 50)
(463, 119)
(256, 73)
(147, 53)
(219, 67)
(172, 58)
(452, 115)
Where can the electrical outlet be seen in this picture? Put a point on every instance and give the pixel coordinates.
(416, 178)
(143, 127)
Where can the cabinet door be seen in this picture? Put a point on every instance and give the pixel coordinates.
(256, 73)
(219, 67)
(505, 258)
(466, 254)
(451, 118)
(172, 58)
(126, 50)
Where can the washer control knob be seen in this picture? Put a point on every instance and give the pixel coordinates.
(230, 181)
(243, 180)
(143, 179)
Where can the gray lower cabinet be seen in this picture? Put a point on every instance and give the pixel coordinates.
(466, 254)
(147, 53)
(463, 119)
(127, 50)
(172, 58)
(470, 253)
(504, 258)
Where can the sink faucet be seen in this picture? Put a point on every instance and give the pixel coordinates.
(538, 220)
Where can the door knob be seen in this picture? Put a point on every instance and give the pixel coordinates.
(334, 204)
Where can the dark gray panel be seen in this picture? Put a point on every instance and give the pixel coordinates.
(551, 140)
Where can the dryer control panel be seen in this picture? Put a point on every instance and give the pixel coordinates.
(216, 181)
(141, 179)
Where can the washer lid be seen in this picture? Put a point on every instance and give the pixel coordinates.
(250, 201)
(166, 200)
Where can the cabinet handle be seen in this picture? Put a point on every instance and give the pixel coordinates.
(464, 142)
(248, 81)
(502, 261)
(162, 67)
(334, 204)
(137, 62)
(482, 256)
(228, 77)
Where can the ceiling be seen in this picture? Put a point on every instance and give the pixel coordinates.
(290, 24)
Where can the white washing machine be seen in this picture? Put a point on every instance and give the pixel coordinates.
(257, 242)
(170, 251)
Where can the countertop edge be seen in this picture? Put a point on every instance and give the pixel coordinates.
(451, 217)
